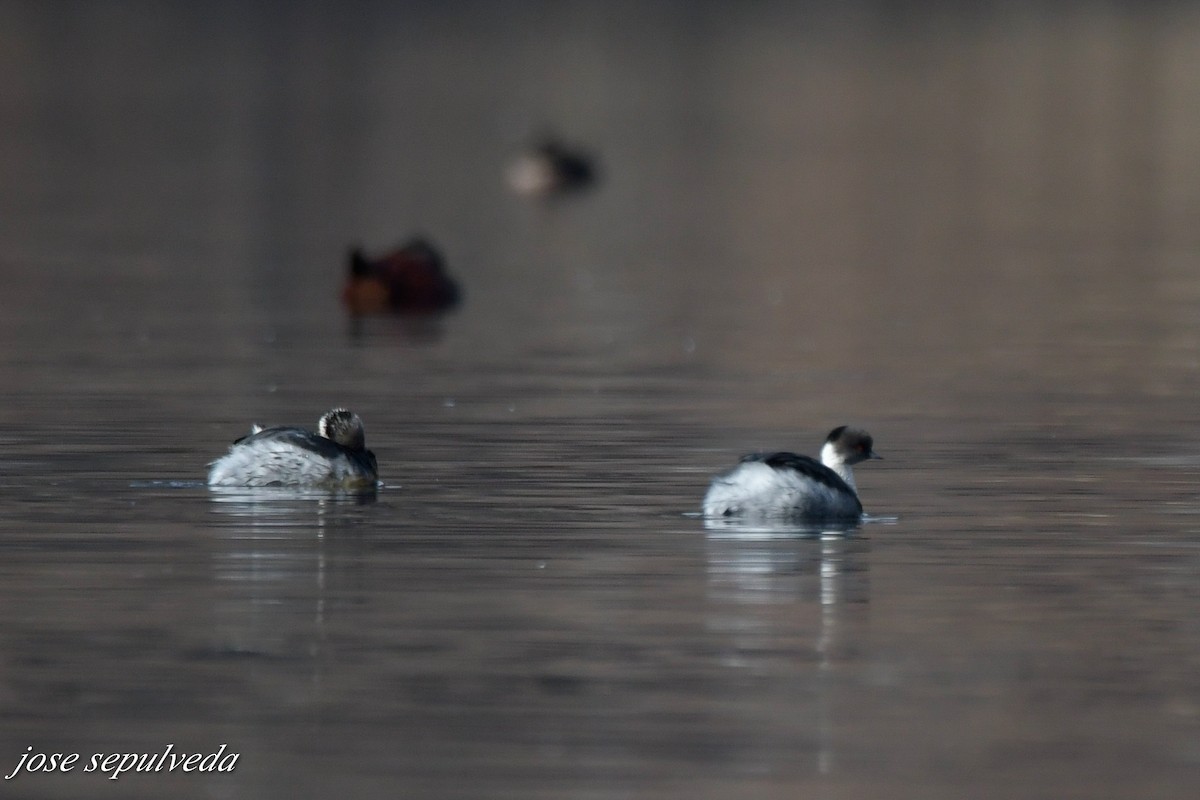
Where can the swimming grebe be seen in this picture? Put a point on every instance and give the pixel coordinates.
(550, 168)
(412, 278)
(797, 487)
(335, 456)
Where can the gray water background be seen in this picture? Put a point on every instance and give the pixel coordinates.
(973, 233)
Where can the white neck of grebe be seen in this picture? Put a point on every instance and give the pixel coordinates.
(831, 459)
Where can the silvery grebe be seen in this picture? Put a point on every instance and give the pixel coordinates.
(794, 486)
(335, 456)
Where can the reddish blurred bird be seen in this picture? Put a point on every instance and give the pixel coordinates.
(410, 279)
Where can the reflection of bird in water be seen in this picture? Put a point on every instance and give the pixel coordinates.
(799, 601)
(411, 278)
(551, 167)
(335, 456)
(788, 485)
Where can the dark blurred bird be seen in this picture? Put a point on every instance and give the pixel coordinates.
(551, 167)
(410, 279)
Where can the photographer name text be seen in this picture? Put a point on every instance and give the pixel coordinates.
(114, 764)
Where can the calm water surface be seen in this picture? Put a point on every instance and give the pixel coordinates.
(973, 235)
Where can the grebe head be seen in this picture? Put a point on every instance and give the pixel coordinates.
(343, 427)
(847, 446)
